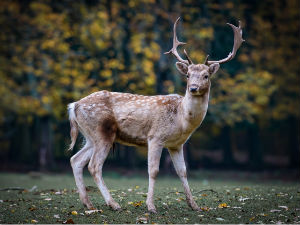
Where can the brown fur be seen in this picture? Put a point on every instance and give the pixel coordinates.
(108, 128)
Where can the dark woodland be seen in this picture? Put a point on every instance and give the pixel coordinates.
(55, 52)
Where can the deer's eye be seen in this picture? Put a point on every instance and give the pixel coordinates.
(188, 76)
(206, 76)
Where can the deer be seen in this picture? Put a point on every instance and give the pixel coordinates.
(155, 122)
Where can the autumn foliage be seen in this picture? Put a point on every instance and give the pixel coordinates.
(56, 52)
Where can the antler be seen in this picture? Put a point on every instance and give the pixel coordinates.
(238, 40)
(176, 43)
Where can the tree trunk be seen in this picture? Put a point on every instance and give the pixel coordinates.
(294, 150)
(228, 159)
(255, 153)
(46, 147)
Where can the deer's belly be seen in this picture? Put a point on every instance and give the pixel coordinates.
(177, 140)
(127, 138)
(132, 131)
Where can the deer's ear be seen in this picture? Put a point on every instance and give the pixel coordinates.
(213, 68)
(182, 68)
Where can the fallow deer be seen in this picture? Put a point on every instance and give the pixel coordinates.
(152, 121)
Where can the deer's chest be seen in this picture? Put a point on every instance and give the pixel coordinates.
(181, 133)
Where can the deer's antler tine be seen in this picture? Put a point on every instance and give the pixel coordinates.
(238, 40)
(206, 59)
(176, 43)
(188, 58)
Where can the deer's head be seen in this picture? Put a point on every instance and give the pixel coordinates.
(198, 75)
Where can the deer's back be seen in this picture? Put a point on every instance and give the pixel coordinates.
(132, 118)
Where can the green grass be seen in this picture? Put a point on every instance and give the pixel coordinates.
(250, 200)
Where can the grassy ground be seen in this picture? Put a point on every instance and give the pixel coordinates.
(223, 200)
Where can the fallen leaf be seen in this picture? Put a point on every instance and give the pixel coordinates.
(56, 216)
(222, 205)
(74, 213)
(137, 204)
(142, 220)
(68, 221)
(31, 208)
(283, 207)
(252, 218)
(241, 199)
(220, 219)
(48, 199)
(275, 210)
(34, 221)
(89, 212)
(137, 187)
(33, 188)
(205, 208)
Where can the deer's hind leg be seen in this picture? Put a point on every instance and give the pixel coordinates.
(106, 133)
(78, 162)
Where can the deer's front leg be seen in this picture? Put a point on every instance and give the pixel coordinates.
(179, 164)
(154, 153)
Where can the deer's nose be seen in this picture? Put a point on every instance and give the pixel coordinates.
(193, 89)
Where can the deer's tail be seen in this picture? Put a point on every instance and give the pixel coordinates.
(73, 124)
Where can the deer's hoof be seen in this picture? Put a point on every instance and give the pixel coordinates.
(153, 211)
(115, 206)
(195, 207)
(90, 206)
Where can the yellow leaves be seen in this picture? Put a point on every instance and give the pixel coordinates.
(62, 47)
(222, 205)
(48, 44)
(206, 32)
(197, 56)
(40, 7)
(112, 64)
(65, 80)
(95, 29)
(136, 204)
(147, 66)
(100, 44)
(205, 208)
(136, 42)
(89, 212)
(34, 221)
(106, 73)
(46, 99)
(150, 80)
(74, 213)
(252, 218)
(245, 96)
(102, 15)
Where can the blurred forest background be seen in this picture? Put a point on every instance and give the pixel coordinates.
(56, 52)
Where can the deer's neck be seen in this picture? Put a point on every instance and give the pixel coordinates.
(194, 108)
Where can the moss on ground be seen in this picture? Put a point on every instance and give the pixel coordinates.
(54, 200)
